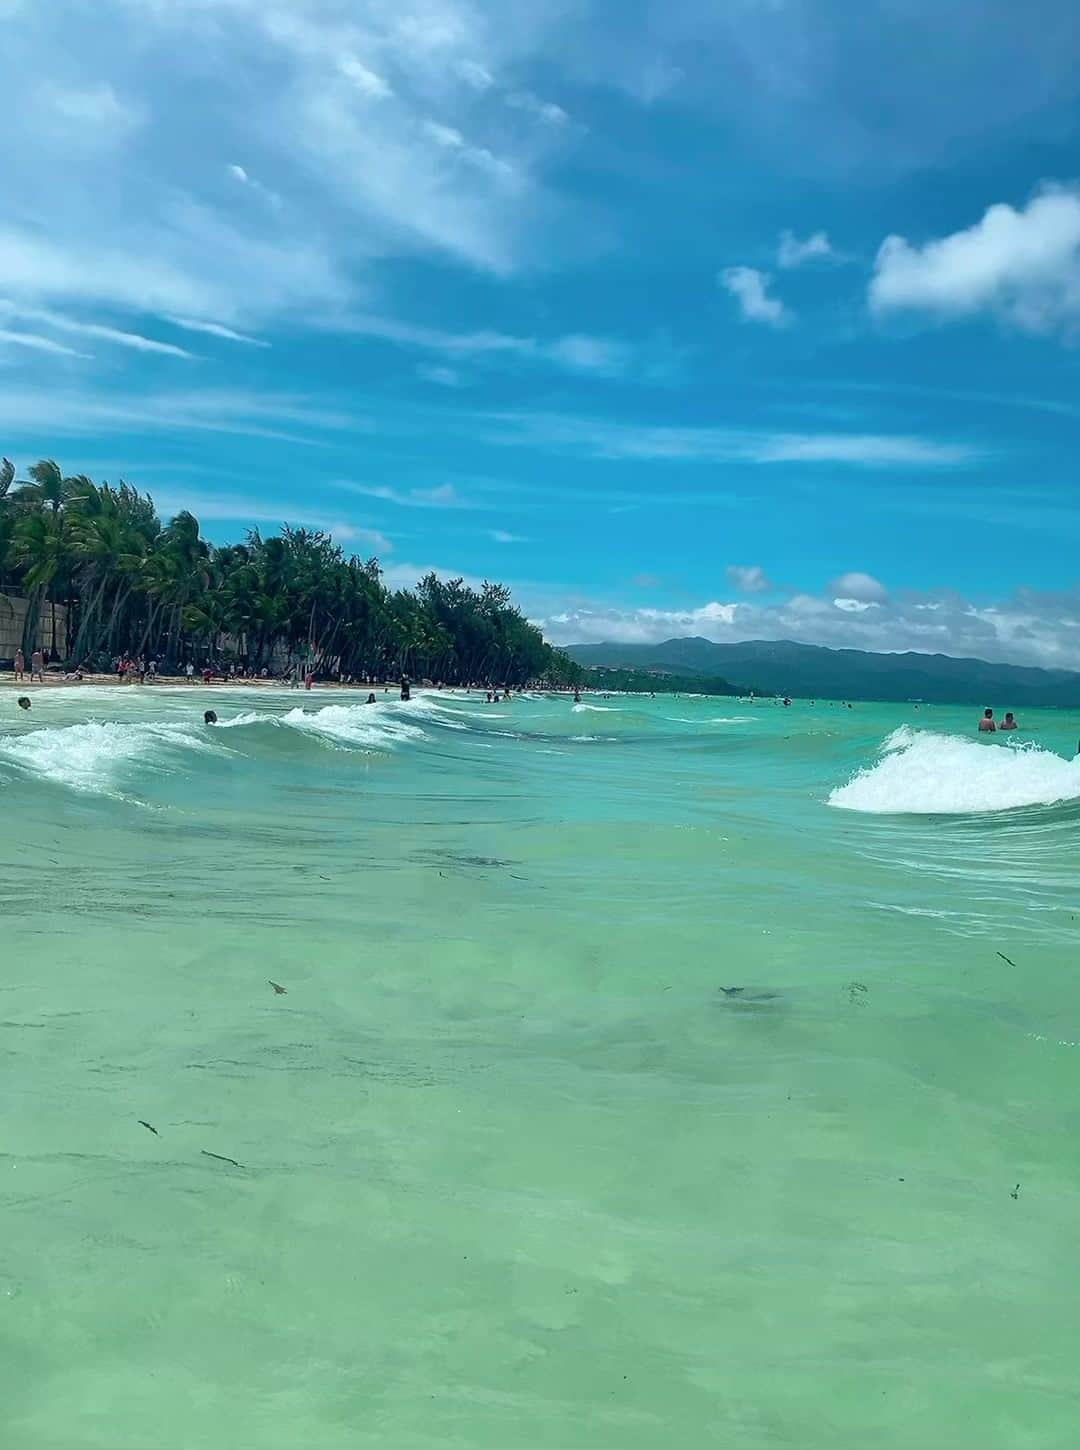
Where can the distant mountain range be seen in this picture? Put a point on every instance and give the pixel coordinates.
(812, 671)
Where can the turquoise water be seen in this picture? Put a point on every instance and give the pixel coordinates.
(516, 1171)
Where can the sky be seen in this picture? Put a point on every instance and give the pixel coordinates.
(736, 318)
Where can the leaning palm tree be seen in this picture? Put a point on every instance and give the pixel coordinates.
(37, 545)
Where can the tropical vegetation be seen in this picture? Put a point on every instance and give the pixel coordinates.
(130, 584)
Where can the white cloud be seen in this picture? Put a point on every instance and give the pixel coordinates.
(443, 376)
(366, 81)
(475, 75)
(444, 135)
(246, 509)
(544, 110)
(28, 411)
(861, 587)
(600, 438)
(748, 578)
(502, 536)
(1022, 265)
(239, 173)
(1028, 628)
(750, 288)
(576, 351)
(443, 496)
(216, 329)
(36, 343)
(793, 253)
(342, 93)
(96, 107)
(133, 340)
(588, 354)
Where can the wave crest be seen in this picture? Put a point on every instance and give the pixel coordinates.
(925, 773)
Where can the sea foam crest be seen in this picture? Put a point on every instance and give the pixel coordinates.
(924, 773)
(353, 725)
(94, 756)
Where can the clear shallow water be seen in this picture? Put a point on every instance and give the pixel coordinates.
(516, 1172)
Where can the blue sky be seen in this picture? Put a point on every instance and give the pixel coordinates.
(753, 319)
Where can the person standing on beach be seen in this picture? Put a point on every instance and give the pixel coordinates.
(37, 666)
(986, 724)
(20, 665)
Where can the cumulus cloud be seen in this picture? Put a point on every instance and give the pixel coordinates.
(861, 587)
(1028, 628)
(793, 253)
(750, 288)
(1023, 266)
(748, 578)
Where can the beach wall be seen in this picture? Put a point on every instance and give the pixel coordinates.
(12, 616)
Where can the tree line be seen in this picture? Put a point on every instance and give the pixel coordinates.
(130, 584)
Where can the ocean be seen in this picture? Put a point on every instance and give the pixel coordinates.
(648, 1072)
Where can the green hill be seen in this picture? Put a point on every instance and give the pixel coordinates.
(812, 671)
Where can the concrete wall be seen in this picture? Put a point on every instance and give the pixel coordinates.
(12, 616)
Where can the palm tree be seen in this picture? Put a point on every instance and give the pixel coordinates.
(37, 545)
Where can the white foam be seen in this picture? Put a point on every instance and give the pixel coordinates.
(924, 773)
(94, 757)
(601, 709)
(353, 725)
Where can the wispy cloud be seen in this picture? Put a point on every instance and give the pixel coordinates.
(445, 377)
(443, 496)
(503, 536)
(793, 253)
(247, 509)
(99, 331)
(600, 438)
(750, 288)
(215, 329)
(29, 410)
(544, 110)
(577, 352)
(254, 185)
(38, 343)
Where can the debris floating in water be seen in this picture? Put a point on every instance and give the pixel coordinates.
(279, 991)
(1004, 958)
(221, 1158)
(144, 1124)
(1016, 1192)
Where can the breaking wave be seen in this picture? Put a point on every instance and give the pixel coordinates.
(923, 773)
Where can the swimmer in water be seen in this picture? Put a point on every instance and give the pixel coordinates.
(372, 700)
(986, 724)
(209, 717)
(1009, 723)
(24, 702)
